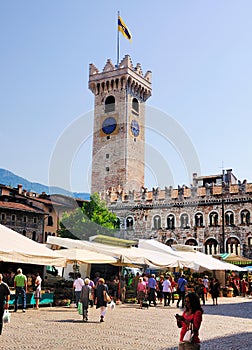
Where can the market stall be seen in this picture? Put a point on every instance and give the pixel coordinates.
(17, 248)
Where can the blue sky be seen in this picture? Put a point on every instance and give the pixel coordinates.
(199, 53)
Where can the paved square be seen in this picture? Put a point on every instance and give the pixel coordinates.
(226, 326)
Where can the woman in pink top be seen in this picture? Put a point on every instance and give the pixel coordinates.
(192, 313)
(141, 291)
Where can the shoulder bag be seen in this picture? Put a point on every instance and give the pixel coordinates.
(107, 297)
(188, 337)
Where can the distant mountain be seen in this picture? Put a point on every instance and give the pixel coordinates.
(7, 178)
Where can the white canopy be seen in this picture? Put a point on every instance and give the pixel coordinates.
(77, 255)
(190, 259)
(130, 256)
(15, 247)
(150, 252)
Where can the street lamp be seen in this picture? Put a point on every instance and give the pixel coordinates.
(222, 220)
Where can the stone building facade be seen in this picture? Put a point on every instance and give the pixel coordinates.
(214, 213)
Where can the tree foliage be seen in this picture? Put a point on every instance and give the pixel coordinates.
(92, 219)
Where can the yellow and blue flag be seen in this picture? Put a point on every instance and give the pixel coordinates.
(123, 29)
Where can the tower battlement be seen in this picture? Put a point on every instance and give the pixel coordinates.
(113, 78)
(181, 194)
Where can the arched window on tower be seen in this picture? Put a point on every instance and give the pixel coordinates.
(156, 222)
(110, 104)
(245, 217)
(171, 221)
(213, 219)
(229, 218)
(135, 105)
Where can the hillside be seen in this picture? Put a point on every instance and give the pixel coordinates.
(7, 178)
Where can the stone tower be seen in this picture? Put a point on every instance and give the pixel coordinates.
(119, 125)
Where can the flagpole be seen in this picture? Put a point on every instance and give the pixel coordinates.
(118, 48)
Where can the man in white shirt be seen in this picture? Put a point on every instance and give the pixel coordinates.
(167, 290)
(77, 285)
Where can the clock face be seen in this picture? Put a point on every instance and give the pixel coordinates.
(109, 125)
(135, 128)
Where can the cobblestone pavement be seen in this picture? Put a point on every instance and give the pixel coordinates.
(226, 326)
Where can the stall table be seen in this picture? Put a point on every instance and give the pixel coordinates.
(45, 299)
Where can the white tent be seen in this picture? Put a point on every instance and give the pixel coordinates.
(190, 259)
(130, 256)
(150, 252)
(78, 255)
(15, 247)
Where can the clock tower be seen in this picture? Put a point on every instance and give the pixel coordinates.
(119, 125)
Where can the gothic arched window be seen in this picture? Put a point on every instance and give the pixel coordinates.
(157, 222)
(198, 218)
(184, 221)
(191, 241)
(211, 246)
(229, 218)
(171, 221)
(129, 223)
(245, 217)
(233, 246)
(213, 219)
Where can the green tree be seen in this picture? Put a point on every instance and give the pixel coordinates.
(92, 219)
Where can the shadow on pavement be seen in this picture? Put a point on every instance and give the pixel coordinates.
(240, 341)
(71, 320)
(241, 310)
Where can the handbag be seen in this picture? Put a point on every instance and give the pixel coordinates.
(6, 316)
(112, 305)
(188, 337)
(107, 297)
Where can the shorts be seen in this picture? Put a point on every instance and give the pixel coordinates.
(37, 294)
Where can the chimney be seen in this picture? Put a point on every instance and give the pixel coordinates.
(20, 189)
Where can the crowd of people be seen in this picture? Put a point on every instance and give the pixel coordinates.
(241, 286)
(147, 289)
